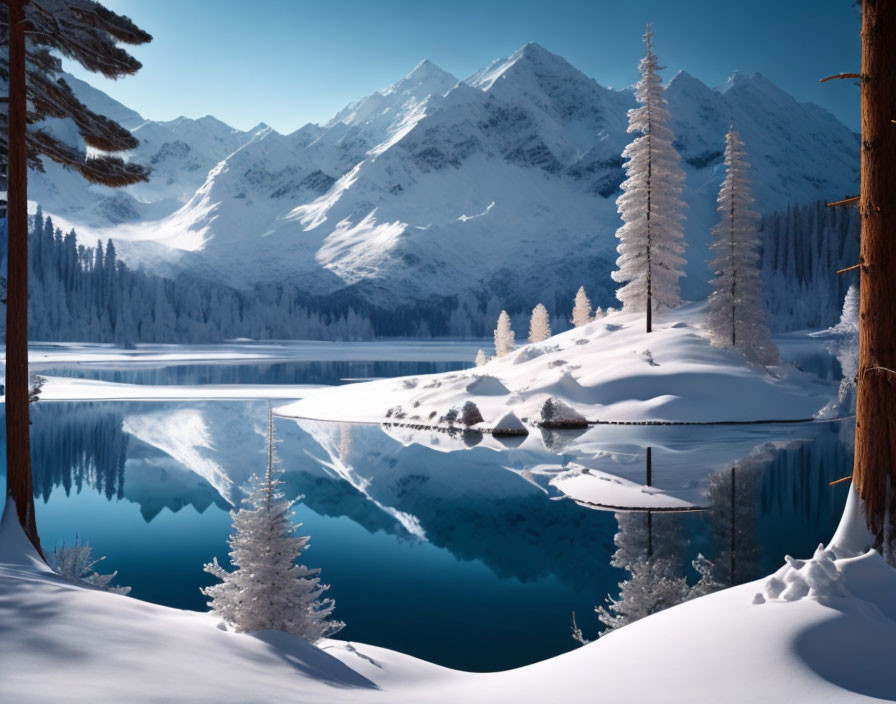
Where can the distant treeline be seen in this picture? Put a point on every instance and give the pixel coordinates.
(82, 293)
(802, 249)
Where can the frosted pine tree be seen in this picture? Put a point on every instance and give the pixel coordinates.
(539, 324)
(268, 590)
(849, 317)
(651, 239)
(735, 314)
(481, 358)
(504, 337)
(845, 346)
(77, 564)
(581, 309)
(652, 586)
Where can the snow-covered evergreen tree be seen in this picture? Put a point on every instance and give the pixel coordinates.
(581, 309)
(735, 314)
(651, 239)
(268, 589)
(849, 317)
(481, 358)
(845, 346)
(504, 337)
(539, 324)
(733, 495)
(653, 585)
(77, 564)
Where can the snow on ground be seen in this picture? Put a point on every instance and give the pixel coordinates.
(49, 354)
(826, 639)
(609, 370)
(57, 388)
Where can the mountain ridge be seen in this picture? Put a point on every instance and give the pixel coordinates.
(499, 185)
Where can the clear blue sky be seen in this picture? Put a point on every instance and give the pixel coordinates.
(288, 62)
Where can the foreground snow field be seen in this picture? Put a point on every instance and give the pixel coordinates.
(608, 370)
(828, 643)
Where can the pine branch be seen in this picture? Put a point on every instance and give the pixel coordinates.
(849, 268)
(837, 76)
(845, 203)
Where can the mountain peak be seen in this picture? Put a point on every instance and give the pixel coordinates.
(740, 82)
(529, 60)
(427, 68)
(534, 50)
(685, 84)
(426, 76)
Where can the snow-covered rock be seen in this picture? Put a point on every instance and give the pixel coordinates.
(554, 413)
(509, 425)
(816, 578)
(469, 414)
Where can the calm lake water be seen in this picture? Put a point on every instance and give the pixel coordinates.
(446, 549)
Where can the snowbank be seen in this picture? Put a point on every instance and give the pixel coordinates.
(609, 370)
(57, 388)
(61, 641)
(48, 354)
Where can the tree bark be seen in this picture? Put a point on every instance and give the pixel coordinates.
(874, 469)
(18, 449)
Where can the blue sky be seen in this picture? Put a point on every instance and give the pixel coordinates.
(288, 62)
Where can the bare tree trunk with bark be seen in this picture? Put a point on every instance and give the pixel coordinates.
(874, 470)
(18, 444)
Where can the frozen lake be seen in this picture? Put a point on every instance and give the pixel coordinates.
(455, 548)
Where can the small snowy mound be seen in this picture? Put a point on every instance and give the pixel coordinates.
(528, 353)
(817, 578)
(486, 385)
(509, 425)
(554, 413)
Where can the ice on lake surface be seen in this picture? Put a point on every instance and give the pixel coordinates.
(451, 548)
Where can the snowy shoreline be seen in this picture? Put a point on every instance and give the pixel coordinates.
(607, 372)
(70, 389)
(814, 631)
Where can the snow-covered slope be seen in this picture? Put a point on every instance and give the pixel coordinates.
(389, 200)
(818, 630)
(608, 370)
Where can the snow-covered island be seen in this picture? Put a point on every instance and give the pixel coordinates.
(609, 370)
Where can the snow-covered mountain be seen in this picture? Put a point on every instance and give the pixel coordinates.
(502, 185)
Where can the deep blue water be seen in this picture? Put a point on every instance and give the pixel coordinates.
(451, 556)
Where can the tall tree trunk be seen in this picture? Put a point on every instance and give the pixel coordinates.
(18, 450)
(874, 471)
